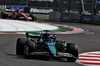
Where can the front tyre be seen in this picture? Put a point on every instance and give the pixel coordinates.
(30, 46)
(20, 46)
(72, 49)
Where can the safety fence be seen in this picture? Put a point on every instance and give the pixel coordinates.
(32, 3)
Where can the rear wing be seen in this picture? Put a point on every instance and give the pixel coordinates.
(32, 35)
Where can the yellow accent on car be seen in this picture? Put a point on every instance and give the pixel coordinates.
(35, 42)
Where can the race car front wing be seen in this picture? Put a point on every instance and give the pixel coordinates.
(58, 55)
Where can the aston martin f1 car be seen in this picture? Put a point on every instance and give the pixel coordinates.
(17, 14)
(46, 45)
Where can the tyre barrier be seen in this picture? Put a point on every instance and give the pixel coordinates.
(65, 17)
(87, 19)
(55, 16)
(75, 17)
(51, 16)
(96, 19)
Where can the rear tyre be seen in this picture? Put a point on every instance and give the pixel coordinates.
(20, 46)
(33, 17)
(17, 16)
(4, 15)
(72, 49)
(30, 46)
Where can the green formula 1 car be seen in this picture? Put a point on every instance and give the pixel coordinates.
(46, 45)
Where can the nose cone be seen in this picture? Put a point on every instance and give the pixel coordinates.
(52, 47)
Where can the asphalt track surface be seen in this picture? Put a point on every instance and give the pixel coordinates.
(87, 42)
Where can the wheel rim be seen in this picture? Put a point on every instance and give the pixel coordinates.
(26, 50)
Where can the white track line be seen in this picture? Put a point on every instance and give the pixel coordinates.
(14, 25)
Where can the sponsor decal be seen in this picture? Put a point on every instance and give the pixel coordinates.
(36, 10)
(21, 8)
(40, 53)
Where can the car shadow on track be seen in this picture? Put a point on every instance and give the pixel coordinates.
(38, 58)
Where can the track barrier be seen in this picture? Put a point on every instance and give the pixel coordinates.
(65, 17)
(75, 17)
(79, 18)
(87, 19)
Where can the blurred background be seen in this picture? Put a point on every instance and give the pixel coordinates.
(84, 11)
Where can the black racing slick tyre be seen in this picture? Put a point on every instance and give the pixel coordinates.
(4, 15)
(20, 46)
(72, 49)
(30, 46)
